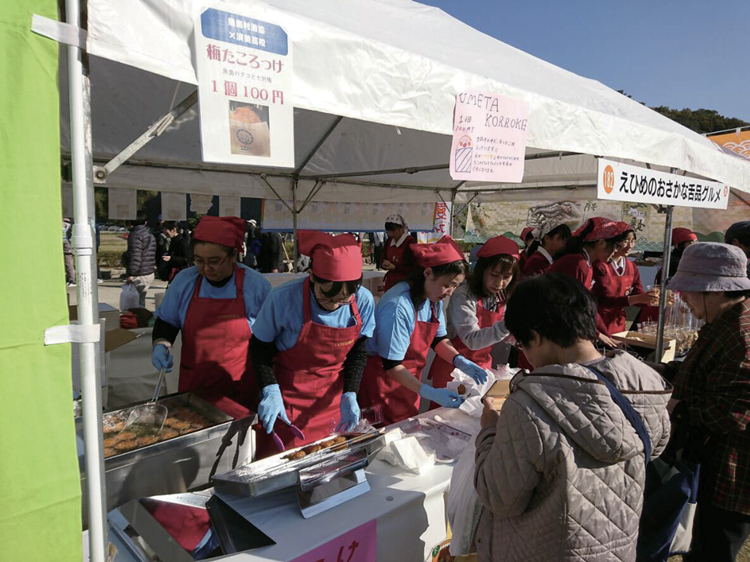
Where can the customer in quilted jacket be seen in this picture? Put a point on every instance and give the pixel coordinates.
(560, 471)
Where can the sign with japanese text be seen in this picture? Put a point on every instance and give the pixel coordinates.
(622, 182)
(442, 224)
(358, 545)
(489, 138)
(244, 69)
(346, 217)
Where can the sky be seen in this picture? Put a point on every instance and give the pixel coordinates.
(689, 53)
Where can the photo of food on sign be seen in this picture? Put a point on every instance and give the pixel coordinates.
(249, 129)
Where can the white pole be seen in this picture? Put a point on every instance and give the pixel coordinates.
(664, 278)
(83, 242)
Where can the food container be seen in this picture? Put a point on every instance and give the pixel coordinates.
(646, 342)
(177, 464)
(279, 472)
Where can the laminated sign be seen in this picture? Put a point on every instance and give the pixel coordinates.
(622, 182)
(244, 69)
(489, 138)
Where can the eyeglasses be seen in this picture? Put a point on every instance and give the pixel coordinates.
(211, 263)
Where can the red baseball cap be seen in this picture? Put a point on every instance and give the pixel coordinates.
(598, 221)
(441, 252)
(497, 246)
(226, 231)
(680, 235)
(334, 258)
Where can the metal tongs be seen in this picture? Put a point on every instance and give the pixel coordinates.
(150, 416)
(297, 432)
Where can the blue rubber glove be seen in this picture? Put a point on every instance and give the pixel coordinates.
(161, 358)
(470, 368)
(443, 396)
(271, 407)
(349, 412)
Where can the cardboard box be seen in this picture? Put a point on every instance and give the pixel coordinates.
(106, 312)
(499, 391)
(645, 342)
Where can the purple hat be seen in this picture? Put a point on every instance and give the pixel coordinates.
(711, 267)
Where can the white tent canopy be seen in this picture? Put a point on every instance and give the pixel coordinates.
(374, 84)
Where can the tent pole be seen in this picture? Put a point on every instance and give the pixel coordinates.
(664, 277)
(452, 211)
(88, 314)
(294, 224)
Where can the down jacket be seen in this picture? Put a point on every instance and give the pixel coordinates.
(141, 252)
(561, 475)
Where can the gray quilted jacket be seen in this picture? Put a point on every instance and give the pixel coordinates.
(561, 476)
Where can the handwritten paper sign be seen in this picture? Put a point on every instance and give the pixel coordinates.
(358, 545)
(244, 69)
(489, 138)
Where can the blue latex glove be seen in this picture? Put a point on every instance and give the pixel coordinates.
(161, 358)
(271, 407)
(349, 412)
(470, 368)
(443, 396)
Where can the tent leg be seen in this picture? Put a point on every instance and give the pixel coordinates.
(295, 214)
(88, 314)
(664, 277)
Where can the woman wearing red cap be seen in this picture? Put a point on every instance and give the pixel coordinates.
(308, 346)
(596, 240)
(550, 239)
(527, 236)
(398, 260)
(617, 284)
(214, 304)
(475, 311)
(409, 320)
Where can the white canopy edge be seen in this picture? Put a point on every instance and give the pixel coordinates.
(387, 62)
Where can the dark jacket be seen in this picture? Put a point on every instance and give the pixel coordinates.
(271, 253)
(141, 251)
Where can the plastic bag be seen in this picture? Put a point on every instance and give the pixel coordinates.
(129, 297)
(464, 507)
(472, 391)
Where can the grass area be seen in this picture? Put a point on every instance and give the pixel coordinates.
(111, 247)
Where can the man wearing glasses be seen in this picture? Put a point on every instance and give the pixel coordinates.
(308, 347)
(214, 304)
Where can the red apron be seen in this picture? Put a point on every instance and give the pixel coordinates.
(309, 375)
(395, 255)
(440, 371)
(614, 319)
(215, 342)
(397, 401)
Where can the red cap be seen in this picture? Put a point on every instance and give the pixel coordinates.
(227, 231)
(625, 227)
(598, 221)
(441, 252)
(680, 235)
(605, 231)
(334, 258)
(525, 232)
(497, 246)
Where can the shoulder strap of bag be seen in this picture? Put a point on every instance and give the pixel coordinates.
(627, 408)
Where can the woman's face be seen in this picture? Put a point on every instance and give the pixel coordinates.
(213, 262)
(436, 288)
(705, 306)
(626, 245)
(396, 233)
(555, 243)
(343, 298)
(495, 279)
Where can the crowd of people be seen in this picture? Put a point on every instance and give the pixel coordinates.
(561, 468)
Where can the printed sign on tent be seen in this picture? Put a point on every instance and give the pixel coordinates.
(173, 206)
(200, 203)
(622, 182)
(737, 141)
(122, 204)
(359, 544)
(244, 69)
(229, 206)
(441, 227)
(489, 138)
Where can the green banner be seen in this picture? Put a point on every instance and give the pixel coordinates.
(40, 495)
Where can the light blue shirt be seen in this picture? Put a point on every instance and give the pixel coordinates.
(173, 308)
(282, 316)
(395, 321)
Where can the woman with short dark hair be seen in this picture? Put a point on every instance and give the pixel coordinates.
(541, 254)
(475, 311)
(409, 321)
(560, 471)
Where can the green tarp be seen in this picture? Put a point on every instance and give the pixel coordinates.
(40, 496)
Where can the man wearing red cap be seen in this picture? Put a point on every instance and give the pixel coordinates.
(308, 347)
(476, 309)
(214, 304)
(409, 321)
